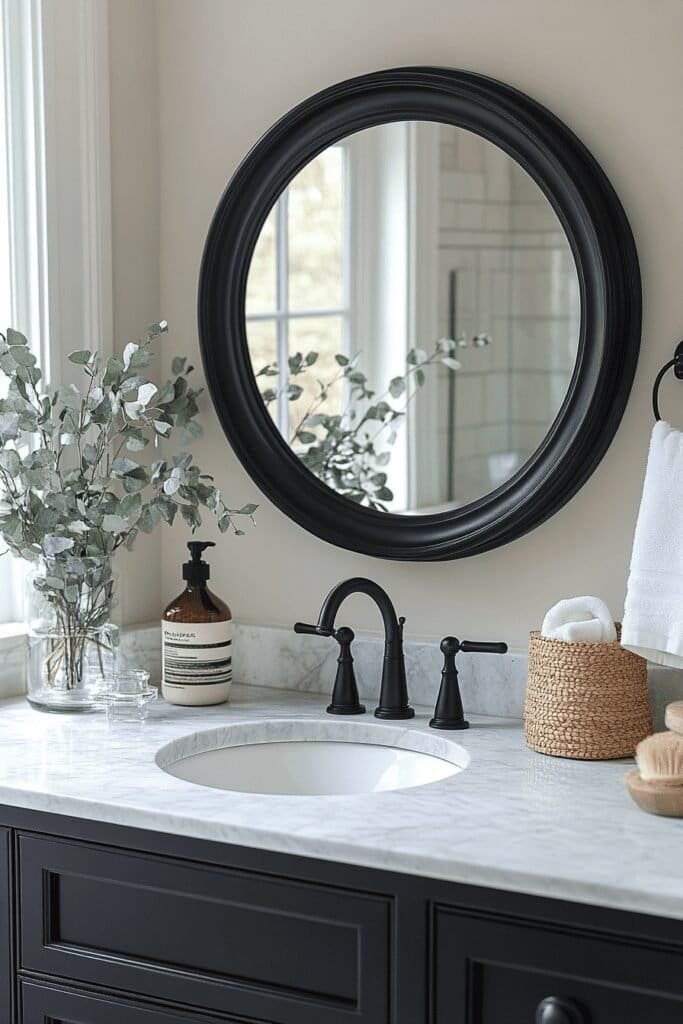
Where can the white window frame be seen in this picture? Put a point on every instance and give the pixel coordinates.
(56, 82)
(283, 315)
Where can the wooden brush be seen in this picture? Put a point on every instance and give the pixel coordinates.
(657, 786)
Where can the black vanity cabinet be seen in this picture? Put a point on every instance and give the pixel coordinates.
(109, 925)
(6, 967)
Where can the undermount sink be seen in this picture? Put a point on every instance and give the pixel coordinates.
(311, 758)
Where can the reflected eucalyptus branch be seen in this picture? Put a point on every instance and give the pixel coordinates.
(342, 449)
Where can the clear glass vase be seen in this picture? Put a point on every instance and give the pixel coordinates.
(72, 644)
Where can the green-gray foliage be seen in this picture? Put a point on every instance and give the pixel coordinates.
(349, 451)
(73, 489)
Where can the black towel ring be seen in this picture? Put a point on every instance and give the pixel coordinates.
(677, 363)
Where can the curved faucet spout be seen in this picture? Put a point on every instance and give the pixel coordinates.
(393, 698)
(360, 585)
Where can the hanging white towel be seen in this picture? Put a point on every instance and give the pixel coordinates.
(653, 614)
(580, 619)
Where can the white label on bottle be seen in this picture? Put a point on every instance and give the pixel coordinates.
(197, 653)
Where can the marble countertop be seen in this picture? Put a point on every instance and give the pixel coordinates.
(513, 819)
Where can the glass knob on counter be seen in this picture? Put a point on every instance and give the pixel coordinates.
(127, 694)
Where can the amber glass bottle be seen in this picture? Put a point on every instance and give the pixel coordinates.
(197, 634)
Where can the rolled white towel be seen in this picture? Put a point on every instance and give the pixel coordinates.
(580, 620)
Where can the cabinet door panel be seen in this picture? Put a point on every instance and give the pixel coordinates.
(229, 941)
(5, 928)
(491, 970)
(51, 1004)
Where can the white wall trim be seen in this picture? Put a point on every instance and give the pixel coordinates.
(23, 71)
(75, 60)
(57, 82)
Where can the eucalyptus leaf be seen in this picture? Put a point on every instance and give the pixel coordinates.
(416, 356)
(136, 444)
(78, 526)
(22, 355)
(165, 394)
(56, 545)
(9, 426)
(452, 364)
(80, 357)
(114, 524)
(146, 393)
(113, 373)
(16, 337)
(123, 467)
(10, 461)
(173, 483)
(128, 353)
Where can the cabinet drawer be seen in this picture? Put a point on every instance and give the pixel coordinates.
(216, 939)
(492, 970)
(49, 1004)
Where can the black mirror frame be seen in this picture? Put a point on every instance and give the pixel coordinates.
(609, 279)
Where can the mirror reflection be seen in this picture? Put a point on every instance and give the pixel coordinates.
(413, 316)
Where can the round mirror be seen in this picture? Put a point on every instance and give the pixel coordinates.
(412, 316)
(419, 313)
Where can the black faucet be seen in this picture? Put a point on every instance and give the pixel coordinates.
(393, 696)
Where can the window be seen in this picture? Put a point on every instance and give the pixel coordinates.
(55, 196)
(22, 235)
(298, 287)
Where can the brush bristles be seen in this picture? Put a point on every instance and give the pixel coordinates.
(660, 759)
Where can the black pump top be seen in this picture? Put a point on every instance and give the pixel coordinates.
(197, 571)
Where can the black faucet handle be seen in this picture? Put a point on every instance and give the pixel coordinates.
(306, 627)
(345, 694)
(481, 647)
(448, 713)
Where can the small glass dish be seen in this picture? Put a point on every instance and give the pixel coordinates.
(127, 694)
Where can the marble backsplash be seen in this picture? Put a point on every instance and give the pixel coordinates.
(275, 656)
(491, 684)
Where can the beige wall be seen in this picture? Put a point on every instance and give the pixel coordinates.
(610, 69)
(135, 234)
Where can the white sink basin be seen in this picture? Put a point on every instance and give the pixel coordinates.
(311, 758)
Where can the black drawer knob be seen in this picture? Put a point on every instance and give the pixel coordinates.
(559, 1011)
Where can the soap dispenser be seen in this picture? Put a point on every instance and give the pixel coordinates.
(197, 635)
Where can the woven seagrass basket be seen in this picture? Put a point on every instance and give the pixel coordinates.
(585, 700)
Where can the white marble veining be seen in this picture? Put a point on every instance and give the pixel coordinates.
(512, 820)
(491, 684)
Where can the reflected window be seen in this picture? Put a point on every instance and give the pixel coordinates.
(298, 286)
